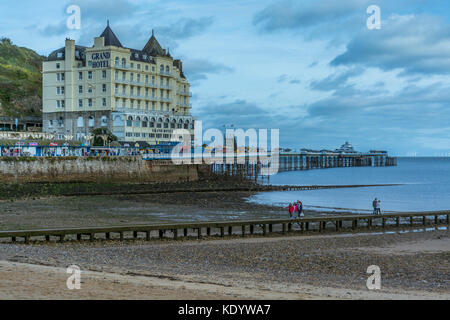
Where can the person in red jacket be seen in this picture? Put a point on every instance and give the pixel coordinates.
(290, 209)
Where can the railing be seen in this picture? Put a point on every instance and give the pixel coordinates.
(251, 227)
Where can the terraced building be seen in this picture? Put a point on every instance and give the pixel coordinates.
(140, 95)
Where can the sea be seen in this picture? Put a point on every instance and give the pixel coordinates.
(424, 185)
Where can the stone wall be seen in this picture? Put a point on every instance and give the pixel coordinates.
(107, 169)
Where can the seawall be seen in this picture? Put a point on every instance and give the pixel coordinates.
(93, 169)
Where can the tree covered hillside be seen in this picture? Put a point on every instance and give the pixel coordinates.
(20, 81)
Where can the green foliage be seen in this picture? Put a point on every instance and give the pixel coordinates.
(102, 136)
(20, 80)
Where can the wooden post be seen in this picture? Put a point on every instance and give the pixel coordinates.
(222, 232)
(369, 223)
(121, 235)
(108, 236)
(13, 239)
(284, 228)
(289, 227)
(161, 234)
(230, 231)
(307, 226)
(411, 221)
(27, 239)
(243, 231)
(397, 222)
(135, 234)
(252, 229)
(175, 234)
(321, 226)
(185, 232)
(424, 220)
(264, 230)
(147, 235)
(448, 219)
(436, 220)
(355, 224)
(47, 238)
(199, 233)
(208, 231)
(270, 228)
(337, 226)
(302, 227)
(61, 238)
(92, 238)
(383, 223)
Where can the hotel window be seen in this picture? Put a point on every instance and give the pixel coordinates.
(132, 104)
(58, 103)
(104, 74)
(139, 104)
(139, 66)
(153, 68)
(80, 89)
(62, 76)
(167, 70)
(131, 90)
(137, 135)
(104, 102)
(58, 77)
(130, 122)
(104, 121)
(80, 103)
(90, 102)
(146, 67)
(117, 75)
(146, 79)
(144, 135)
(124, 63)
(131, 77)
(117, 89)
(80, 75)
(129, 134)
(158, 135)
(61, 122)
(124, 89)
(104, 88)
(124, 103)
(63, 103)
(139, 92)
(138, 78)
(58, 66)
(58, 90)
(131, 65)
(146, 105)
(153, 105)
(161, 69)
(62, 90)
(50, 123)
(90, 75)
(124, 76)
(90, 89)
(80, 122)
(152, 135)
(91, 121)
(146, 92)
(117, 61)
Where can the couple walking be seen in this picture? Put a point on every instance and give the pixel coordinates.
(376, 204)
(295, 210)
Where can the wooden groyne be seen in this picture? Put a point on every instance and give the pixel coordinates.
(176, 231)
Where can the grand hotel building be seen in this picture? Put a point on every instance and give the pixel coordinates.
(140, 95)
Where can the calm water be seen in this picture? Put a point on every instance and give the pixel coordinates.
(426, 186)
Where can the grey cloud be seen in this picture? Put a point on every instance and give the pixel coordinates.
(413, 44)
(199, 69)
(293, 15)
(336, 80)
(185, 28)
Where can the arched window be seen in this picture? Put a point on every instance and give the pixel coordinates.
(167, 69)
(145, 122)
(124, 62)
(80, 122)
(91, 122)
(161, 69)
(130, 121)
(173, 124)
(61, 122)
(104, 121)
(117, 61)
(137, 123)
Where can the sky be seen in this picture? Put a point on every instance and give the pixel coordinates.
(310, 68)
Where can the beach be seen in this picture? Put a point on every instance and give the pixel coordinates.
(413, 266)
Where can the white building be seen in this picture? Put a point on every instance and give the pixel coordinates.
(140, 95)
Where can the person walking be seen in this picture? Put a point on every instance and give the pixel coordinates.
(374, 205)
(300, 209)
(378, 207)
(290, 210)
(296, 210)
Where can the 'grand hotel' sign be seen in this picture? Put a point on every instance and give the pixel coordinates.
(100, 60)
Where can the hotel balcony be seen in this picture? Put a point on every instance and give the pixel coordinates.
(184, 105)
(151, 85)
(163, 99)
(185, 93)
(164, 73)
(165, 86)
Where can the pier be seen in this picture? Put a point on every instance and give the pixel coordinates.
(199, 230)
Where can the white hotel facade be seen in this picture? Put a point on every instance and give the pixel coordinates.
(140, 95)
